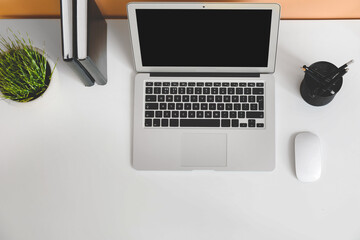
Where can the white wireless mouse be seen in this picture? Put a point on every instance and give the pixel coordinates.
(307, 157)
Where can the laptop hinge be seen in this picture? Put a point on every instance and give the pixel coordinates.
(199, 74)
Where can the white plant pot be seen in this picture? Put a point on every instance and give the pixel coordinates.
(54, 78)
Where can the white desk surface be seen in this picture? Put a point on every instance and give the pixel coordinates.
(65, 162)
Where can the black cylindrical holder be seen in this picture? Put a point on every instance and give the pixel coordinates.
(310, 86)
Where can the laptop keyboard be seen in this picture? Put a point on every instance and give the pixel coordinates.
(235, 104)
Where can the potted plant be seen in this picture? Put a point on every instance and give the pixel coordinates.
(25, 73)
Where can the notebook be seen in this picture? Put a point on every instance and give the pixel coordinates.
(84, 34)
(204, 94)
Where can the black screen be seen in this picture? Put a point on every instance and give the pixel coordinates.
(204, 37)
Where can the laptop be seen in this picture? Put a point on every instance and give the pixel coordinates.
(204, 96)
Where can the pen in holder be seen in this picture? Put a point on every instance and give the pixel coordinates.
(321, 82)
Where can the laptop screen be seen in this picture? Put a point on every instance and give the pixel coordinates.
(204, 37)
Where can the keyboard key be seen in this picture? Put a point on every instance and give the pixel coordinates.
(216, 114)
(239, 91)
(179, 106)
(166, 83)
(220, 106)
(243, 124)
(217, 84)
(260, 125)
(191, 114)
(233, 114)
(247, 90)
(212, 106)
(187, 106)
(157, 83)
(200, 123)
(199, 114)
(226, 98)
(234, 84)
(149, 114)
(204, 106)
(194, 98)
(225, 123)
(245, 106)
(150, 98)
(149, 90)
(231, 90)
(241, 114)
(165, 90)
(237, 106)
(158, 114)
(174, 84)
(243, 98)
(258, 91)
(242, 84)
(225, 84)
(183, 114)
(235, 123)
(208, 84)
(218, 98)
(253, 106)
(166, 114)
(171, 106)
(198, 90)
(162, 106)
(164, 122)
(208, 114)
(251, 123)
(228, 106)
(183, 84)
(161, 98)
(251, 84)
(149, 83)
(259, 84)
(202, 98)
(175, 114)
(255, 114)
(185, 98)
(224, 114)
(173, 90)
(174, 122)
(169, 98)
(251, 98)
(157, 90)
(177, 98)
(200, 84)
(191, 84)
(156, 122)
(190, 90)
(196, 106)
(214, 90)
(222, 90)
(148, 122)
(206, 90)
(152, 106)
(181, 90)
(235, 98)
(210, 98)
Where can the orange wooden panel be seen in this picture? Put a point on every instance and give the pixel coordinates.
(291, 9)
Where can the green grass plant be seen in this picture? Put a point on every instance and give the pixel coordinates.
(22, 69)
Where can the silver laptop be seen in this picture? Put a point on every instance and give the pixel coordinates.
(204, 92)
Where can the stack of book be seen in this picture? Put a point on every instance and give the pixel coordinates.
(84, 33)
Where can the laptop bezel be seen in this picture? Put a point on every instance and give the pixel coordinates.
(275, 19)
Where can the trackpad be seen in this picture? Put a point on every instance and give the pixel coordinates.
(203, 150)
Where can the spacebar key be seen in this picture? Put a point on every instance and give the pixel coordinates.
(199, 123)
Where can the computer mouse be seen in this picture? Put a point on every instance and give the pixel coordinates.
(307, 157)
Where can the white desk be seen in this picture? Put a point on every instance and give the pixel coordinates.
(65, 162)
